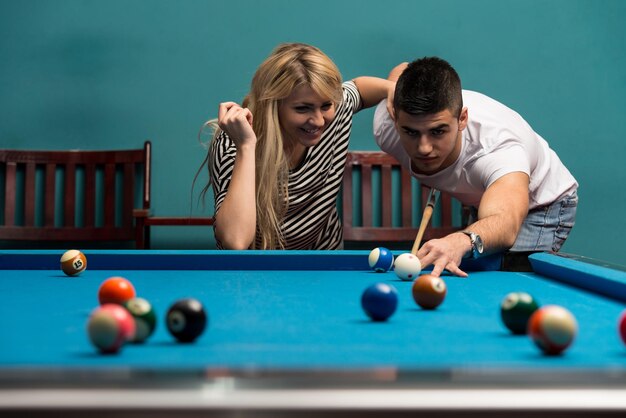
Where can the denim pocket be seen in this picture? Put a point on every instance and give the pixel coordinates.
(567, 218)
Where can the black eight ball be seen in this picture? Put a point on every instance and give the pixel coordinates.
(186, 320)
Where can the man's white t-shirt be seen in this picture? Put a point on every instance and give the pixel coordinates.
(496, 141)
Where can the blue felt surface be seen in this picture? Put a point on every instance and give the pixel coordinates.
(299, 319)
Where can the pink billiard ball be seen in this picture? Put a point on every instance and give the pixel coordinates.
(109, 327)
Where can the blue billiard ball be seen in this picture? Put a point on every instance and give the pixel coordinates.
(379, 301)
(380, 259)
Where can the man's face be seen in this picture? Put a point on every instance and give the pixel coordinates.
(432, 141)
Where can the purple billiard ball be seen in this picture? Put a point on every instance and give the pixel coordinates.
(379, 301)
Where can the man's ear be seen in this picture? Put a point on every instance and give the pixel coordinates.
(463, 119)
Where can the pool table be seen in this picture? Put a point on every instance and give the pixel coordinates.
(287, 336)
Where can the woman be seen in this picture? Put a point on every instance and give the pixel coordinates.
(277, 161)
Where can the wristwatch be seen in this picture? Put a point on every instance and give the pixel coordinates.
(477, 245)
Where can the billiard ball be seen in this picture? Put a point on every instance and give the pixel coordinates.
(145, 318)
(379, 301)
(407, 266)
(116, 290)
(429, 291)
(109, 327)
(380, 259)
(516, 309)
(186, 320)
(73, 262)
(622, 327)
(552, 328)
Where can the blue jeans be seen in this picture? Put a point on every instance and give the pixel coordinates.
(545, 228)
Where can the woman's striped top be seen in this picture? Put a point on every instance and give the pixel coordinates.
(311, 221)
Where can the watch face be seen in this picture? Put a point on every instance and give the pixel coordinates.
(478, 244)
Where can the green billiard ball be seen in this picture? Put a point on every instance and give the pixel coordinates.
(145, 318)
(516, 309)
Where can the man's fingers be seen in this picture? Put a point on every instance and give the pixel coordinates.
(454, 269)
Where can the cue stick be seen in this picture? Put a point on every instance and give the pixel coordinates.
(428, 212)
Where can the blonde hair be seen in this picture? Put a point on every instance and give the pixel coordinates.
(289, 66)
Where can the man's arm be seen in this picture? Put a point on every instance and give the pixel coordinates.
(502, 210)
(395, 73)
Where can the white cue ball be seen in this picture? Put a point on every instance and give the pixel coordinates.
(407, 266)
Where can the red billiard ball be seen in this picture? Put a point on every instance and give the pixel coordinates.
(145, 318)
(73, 262)
(516, 309)
(109, 327)
(429, 291)
(379, 301)
(116, 290)
(552, 328)
(622, 327)
(186, 320)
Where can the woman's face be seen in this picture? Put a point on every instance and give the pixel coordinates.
(304, 115)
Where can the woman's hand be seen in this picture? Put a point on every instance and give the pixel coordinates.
(236, 121)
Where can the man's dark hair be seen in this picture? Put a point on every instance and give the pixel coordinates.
(428, 85)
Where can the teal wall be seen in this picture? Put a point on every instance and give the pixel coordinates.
(108, 74)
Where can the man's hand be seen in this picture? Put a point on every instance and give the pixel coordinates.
(445, 253)
(502, 210)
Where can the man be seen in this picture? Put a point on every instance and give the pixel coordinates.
(482, 153)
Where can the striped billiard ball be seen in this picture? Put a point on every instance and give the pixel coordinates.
(516, 309)
(380, 259)
(73, 262)
(552, 328)
(109, 327)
